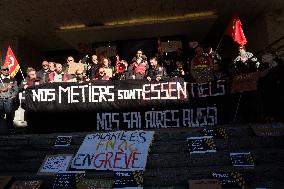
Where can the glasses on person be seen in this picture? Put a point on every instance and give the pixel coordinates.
(45, 65)
(5, 69)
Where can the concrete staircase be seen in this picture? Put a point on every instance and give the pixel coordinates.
(169, 163)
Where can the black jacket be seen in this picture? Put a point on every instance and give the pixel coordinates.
(153, 73)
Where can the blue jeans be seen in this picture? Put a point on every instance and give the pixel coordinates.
(6, 107)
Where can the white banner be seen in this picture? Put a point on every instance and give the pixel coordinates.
(171, 46)
(117, 151)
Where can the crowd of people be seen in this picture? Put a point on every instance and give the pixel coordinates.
(206, 65)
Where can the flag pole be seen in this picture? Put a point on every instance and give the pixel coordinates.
(2, 82)
(22, 73)
(222, 37)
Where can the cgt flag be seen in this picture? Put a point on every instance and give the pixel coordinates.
(11, 62)
(235, 30)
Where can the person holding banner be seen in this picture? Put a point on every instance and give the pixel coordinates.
(58, 75)
(201, 66)
(8, 93)
(101, 75)
(108, 69)
(246, 62)
(32, 79)
(156, 72)
(44, 72)
(139, 65)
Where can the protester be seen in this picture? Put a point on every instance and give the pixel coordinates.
(80, 77)
(246, 62)
(269, 60)
(58, 75)
(8, 93)
(120, 70)
(179, 71)
(101, 74)
(201, 66)
(106, 64)
(156, 72)
(217, 67)
(32, 79)
(51, 66)
(139, 65)
(69, 61)
(92, 67)
(44, 72)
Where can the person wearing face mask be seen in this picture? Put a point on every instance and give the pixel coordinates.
(8, 93)
(245, 62)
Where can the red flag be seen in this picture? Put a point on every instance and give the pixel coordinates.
(117, 59)
(11, 62)
(235, 30)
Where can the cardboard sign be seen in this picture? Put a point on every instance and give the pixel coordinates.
(171, 46)
(216, 133)
(234, 179)
(63, 141)
(73, 67)
(199, 145)
(95, 184)
(128, 179)
(64, 181)
(55, 163)
(117, 151)
(276, 129)
(204, 184)
(242, 159)
(26, 184)
(4, 180)
(245, 82)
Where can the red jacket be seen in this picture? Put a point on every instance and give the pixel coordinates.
(105, 78)
(51, 76)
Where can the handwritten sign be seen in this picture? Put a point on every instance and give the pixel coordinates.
(204, 184)
(95, 184)
(234, 179)
(64, 181)
(117, 151)
(199, 145)
(242, 159)
(245, 82)
(171, 46)
(26, 184)
(55, 163)
(4, 180)
(128, 179)
(276, 129)
(216, 133)
(63, 141)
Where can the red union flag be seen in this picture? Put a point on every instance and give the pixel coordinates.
(11, 62)
(235, 30)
